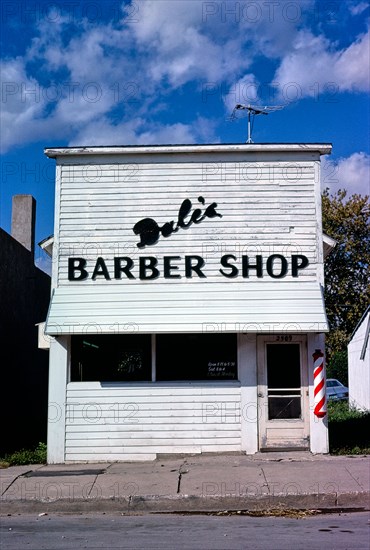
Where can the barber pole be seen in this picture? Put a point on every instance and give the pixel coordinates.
(319, 384)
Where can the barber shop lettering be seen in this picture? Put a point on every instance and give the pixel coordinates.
(275, 266)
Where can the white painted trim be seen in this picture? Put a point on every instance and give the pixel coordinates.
(328, 244)
(43, 340)
(288, 426)
(55, 256)
(319, 435)
(58, 372)
(247, 365)
(149, 388)
(319, 233)
(321, 148)
(47, 245)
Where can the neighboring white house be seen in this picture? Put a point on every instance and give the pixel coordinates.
(187, 313)
(359, 364)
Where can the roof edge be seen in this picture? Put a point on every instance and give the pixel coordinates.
(321, 148)
(362, 319)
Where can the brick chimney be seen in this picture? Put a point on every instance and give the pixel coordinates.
(23, 221)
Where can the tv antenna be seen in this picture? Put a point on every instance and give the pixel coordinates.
(252, 112)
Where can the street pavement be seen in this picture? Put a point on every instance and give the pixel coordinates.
(191, 483)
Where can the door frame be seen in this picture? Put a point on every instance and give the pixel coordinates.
(299, 427)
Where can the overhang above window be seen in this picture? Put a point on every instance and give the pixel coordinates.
(254, 307)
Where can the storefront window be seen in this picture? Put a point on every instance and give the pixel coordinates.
(126, 358)
(196, 357)
(111, 358)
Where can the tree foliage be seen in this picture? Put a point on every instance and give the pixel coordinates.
(347, 286)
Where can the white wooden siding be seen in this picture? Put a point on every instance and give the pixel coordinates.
(267, 208)
(359, 369)
(123, 422)
(269, 205)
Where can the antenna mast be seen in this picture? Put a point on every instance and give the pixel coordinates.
(252, 112)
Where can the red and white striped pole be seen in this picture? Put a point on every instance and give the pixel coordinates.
(319, 384)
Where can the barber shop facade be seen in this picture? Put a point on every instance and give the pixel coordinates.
(187, 312)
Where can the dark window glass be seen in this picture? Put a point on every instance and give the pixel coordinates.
(283, 366)
(196, 357)
(111, 358)
(284, 407)
(283, 381)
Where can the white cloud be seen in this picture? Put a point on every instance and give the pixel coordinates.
(357, 9)
(104, 132)
(313, 64)
(273, 28)
(159, 21)
(352, 66)
(213, 41)
(169, 133)
(180, 47)
(350, 173)
(23, 104)
(245, 91)
(155, 50)
(138, 131)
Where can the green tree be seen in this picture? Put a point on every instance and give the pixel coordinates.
(347, 287)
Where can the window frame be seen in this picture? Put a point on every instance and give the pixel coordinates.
(153, 364)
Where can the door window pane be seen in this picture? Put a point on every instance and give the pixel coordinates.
(284, 407)
(283, 366)
(283, 381)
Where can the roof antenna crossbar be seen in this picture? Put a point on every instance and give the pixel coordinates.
(252, 112)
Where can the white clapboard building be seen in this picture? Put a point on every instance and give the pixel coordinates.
(359, 364)
(187, 312)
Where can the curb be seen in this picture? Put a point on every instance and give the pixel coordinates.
(191, 504)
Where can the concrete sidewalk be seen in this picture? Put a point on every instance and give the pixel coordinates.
(196, 483)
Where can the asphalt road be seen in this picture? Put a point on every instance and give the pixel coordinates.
(191, 532)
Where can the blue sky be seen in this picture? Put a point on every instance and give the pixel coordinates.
(171, 71)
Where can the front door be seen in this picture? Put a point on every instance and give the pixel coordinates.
(283, 392)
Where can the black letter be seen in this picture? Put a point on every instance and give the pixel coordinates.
(148, 230)
(189, 267)
(270, 266)
(126, 269)
(167, 267)
(296, 266)
(183, 212)
(100, 269)
(144, 266)
(167, 229)
(196, 216)
(225, 262)
(211, 212)
(247, 266)
(72, 267)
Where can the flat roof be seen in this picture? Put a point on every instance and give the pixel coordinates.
(322, 148)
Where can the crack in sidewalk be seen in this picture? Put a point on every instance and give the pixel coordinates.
(95, 480)
(266, 482)
(181, 472)
(16, 478)
(355, 479)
